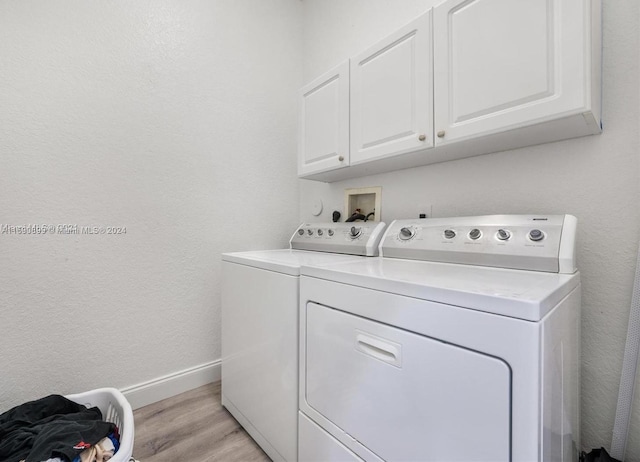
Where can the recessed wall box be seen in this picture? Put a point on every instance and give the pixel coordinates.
(365, 201)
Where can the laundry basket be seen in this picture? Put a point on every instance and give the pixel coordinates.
(115, 409)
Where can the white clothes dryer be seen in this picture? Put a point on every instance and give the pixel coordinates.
(260, 300)
(460, 344)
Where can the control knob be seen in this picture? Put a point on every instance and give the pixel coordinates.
(320, 232)
(475, 234)
(310, 232)
(449, 233)
(536, 235)
(330, 232)
(406, 233)
(355, 232)
(301, 232)
(503, 234)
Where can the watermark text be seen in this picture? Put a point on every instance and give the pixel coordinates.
(38, 229)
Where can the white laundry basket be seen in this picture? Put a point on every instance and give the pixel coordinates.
(115, 409)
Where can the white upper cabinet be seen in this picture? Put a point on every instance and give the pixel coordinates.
(391, 94)
(324, 122)
(504, 64)
(468, 77)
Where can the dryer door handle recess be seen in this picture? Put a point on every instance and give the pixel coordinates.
(379, 348)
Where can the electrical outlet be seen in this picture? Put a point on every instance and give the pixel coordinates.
(426, 210)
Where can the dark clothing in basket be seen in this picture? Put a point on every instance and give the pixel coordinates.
(48, 428)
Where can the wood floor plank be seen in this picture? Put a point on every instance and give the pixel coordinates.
(192, 427)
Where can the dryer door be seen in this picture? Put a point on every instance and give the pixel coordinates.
(405, 396)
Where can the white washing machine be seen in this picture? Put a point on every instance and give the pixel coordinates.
(460, 344)
(260, 305)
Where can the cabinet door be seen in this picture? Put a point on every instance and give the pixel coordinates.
(324, 122)
(391, 94)
(504, 64)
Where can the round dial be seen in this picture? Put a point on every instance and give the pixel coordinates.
(320, 232)
(310, 232)
(503, 234)
(330, 232)
(536, 235)
(475, 234)
(355, 232)
(449, 233)
(406, 233)
(301, 232)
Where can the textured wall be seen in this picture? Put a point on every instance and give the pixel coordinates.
(595, 178)
(173, 118)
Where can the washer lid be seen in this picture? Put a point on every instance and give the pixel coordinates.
(286, 261)
(528, 295)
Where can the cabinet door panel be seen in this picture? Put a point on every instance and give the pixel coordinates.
(324, 122)
(391, 94)
(501, 64)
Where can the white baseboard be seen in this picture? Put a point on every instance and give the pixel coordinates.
(173, 384)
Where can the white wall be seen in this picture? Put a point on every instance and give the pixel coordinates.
(177, 120)
(594, 178)
(174, 118)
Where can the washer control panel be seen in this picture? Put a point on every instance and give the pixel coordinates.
(528, 242)
(357, 238)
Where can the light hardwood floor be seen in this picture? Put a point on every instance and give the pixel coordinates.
(192, 427)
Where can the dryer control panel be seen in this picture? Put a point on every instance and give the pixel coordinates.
(527, 242)
(357, 238)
